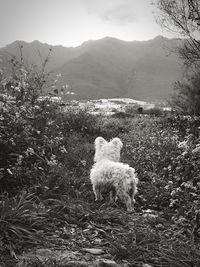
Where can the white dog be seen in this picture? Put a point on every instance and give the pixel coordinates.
(110, 175)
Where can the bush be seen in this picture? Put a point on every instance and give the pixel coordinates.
(186, 97)
(20, 218)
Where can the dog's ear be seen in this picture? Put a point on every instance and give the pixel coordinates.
(117, 142)
(99, 142)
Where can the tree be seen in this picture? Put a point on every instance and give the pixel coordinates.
(186, 97)
(183, 17)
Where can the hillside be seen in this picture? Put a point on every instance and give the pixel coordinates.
(108, 68)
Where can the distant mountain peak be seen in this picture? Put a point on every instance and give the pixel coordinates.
(36, 42)
(110, 38)
(160, 37)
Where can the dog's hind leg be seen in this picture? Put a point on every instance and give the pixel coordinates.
(97, 192)
(112, 195)
(124, 196)
(128, 202)
(132, 192)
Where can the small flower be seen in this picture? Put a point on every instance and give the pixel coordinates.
(53, 161)
(83, 162)
(63, 149)
(173, 202)
(19, 160)
(29, 151)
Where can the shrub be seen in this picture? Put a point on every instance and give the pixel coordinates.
(131, 110)
(186, 97)
(20, 218)
(36, 134)
(154, 111)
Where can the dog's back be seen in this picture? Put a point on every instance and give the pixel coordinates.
(108, 173)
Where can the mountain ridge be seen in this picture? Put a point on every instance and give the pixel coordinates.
(109, 67)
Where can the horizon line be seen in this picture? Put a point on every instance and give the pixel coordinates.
(93, 40)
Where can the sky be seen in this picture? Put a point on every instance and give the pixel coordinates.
(72, 22)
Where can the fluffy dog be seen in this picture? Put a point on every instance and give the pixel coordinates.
(110, 175)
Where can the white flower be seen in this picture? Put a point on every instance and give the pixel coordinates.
(188, 185)
(53, 161)
(30, 151)
(63, 149)
(83, 162)
(173, 193)
(173, 202)
(19, 160)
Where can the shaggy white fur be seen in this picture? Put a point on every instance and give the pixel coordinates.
(110, 175)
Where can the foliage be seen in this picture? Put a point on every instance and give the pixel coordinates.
(38, 134)
(186, 98)
(152, 148)
(182, 17)
(20, 218)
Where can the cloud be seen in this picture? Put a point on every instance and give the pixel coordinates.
(119, 11)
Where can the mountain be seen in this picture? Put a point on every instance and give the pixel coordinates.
(109, 68)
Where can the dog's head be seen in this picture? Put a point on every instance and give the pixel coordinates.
(107, 150)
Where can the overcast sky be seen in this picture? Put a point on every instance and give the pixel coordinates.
(71, 22)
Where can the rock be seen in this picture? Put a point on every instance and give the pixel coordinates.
(41, 256)
(50, 257)
(150, 214)
(108, 263)
(44, 252)
(76, 264)
(94, 251)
